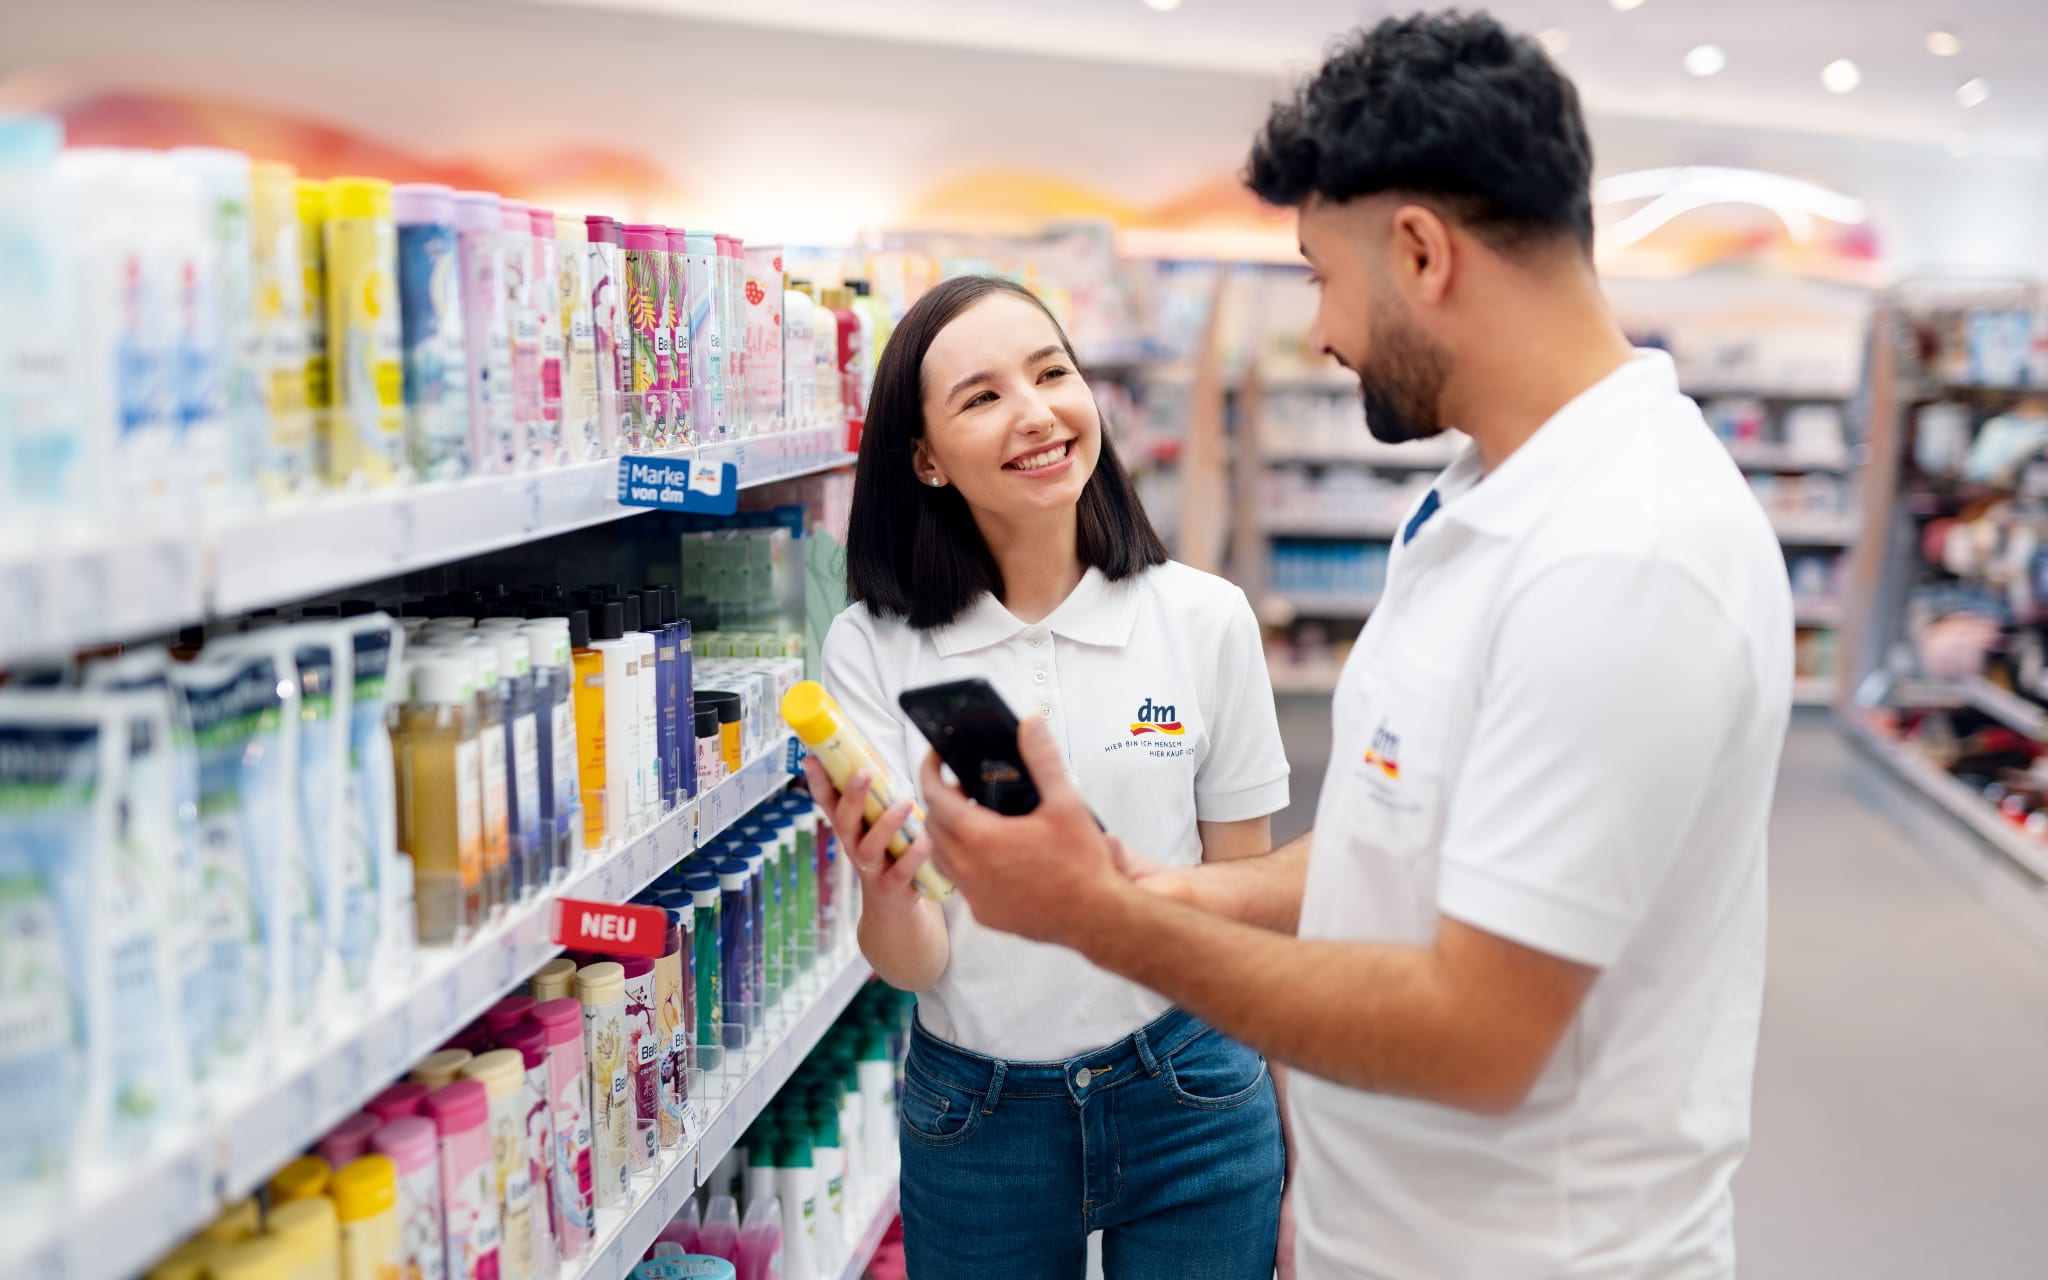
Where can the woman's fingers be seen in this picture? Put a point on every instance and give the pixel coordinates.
(872, 855)
(900, 875)
(848, 820)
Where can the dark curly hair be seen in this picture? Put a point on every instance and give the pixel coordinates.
(1446, 106)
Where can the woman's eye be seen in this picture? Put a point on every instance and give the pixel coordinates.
(1054, 372)
(986, 397)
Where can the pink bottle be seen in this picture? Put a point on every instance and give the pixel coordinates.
(647, 338)
(531, 1041)
(606, 277)
(683, 413)
(761, 1241)
(461, 1113)
(399, 1101)
(719, 1237)
(414, 1147)
(543, 300)
(505, 1015)
(644, 1057)
(569, 1103)
(681, 1231)
(348, 1141)
(515, 255)
(486, 330)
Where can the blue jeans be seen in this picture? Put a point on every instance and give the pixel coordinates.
(1168, 1142)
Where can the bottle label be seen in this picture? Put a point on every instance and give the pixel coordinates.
(469, 818)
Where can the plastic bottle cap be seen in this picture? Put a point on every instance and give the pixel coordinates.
(703, 890)
(358, 198)
(725, 702)
(542, 221)
(611, 621)
(440, 680)
(422, 204)
(347, 1140)
(632, 613)
(555, 979)
(187, 1262)
(732, 875)
(439, 1069)
(601, 983)
(303, 1178)
(707, 721)
(400, 1100)
(678, 240)
(236, 1223)
(561, 1020)
(410, 1141)
(547, 641)
(579, 629)
(636, 967)
(364, 1188)
(602, 229)
(703, 242)
(483, 667)
(476, 210)
(309, 1230)
(515, 655)
(263, 1258)
(458, 1106)
(502, 1072)
(507, 1013)
(529, 1040)
(513, 216)
(570, 229)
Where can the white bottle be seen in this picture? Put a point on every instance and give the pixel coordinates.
(225, 460)
(828, 1174)
(878, 1106)
(799, 368)
(649, 699)
(44, 473)
(622, 770)
(795, 1187)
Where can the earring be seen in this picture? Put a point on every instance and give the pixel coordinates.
(935, 481)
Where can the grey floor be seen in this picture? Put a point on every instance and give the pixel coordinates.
(1901, 1119)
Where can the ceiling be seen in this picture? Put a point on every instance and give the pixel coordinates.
(1625, 63)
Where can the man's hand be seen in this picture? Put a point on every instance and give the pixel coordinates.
(1152, 875)
(1045, 875)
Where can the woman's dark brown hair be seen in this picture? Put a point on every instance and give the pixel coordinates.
(913, 551)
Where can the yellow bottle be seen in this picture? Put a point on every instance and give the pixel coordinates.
(502, 1073)
(236, 1223)
(440, 795)
(311, 1235)
(815, 717)
(555, 980)
(365, 1195)
(284, 459)
(257, 1259)
(312, 198)
(590, 747)
(365, 429)
(440, 1069)
(302, 1178)
(188, 1261)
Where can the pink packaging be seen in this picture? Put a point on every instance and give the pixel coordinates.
(688, 429)
(515, 254)
(544, 441)
(569, 1100)
(348, 1141)
(762, 330)
(736, 326)
(531, 1041)
(414, 1147)
(461, 1113)
(644, 1053)
(486, 331)
(605, 274)
(399, 1101)
(505, 1015)
(650, 340)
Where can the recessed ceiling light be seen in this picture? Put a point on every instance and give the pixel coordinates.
(1705, 60)
(1841, 76)
(1162, 6)
(1973, 92)
(1554, 41)
(1943, 44)
(1624, 6)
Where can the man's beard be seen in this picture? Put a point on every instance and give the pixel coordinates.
(1402, 385)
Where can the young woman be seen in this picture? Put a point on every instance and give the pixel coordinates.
(994, 534)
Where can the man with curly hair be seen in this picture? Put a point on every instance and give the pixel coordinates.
(1518, 965)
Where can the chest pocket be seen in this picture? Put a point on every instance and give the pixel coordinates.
(1396, 778)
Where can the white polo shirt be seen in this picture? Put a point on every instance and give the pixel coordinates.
(1562, 725)
(1157, 693)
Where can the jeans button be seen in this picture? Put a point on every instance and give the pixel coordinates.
(1083, 1076)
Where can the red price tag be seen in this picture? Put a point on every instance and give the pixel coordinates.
(609, 928)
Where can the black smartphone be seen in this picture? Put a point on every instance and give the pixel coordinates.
(975, 733)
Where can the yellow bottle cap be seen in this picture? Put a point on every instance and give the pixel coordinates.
(303, 1177)
(309, 1230)
(502, 1072)
(364, 1188)
(235, 1224)
(601, 983)
(437, 1069)
(810, 711)
(187, 1262)
(312, 200)
(358, 198)
(258, 1259)
(555, 980)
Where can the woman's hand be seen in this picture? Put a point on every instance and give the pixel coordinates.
(887, 887)
(1150, 874)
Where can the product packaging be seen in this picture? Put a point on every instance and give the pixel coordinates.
(368, 846)
(799, 378)
(672, 1023)
(623, 720)
(502, 1073)
(515, 253)
(764, 334)
(685, 428)
(561, 1020)
(719, 1237)
(440, 795)
(545, 443)
(436, 350)
(650, 340)
(815, 718)
(469, 1202)
(226, 427)
(365, 431)
(707, 352)
(284, 462)
(768, 1249)
(604, 280)
(704, 945)
(587, 698)
(602, 990)
(644, 1051)
(414, 1148)
(495, 441)
(312, 209)
(528, 852)
(310, 1233)
(582, 439)
(531, 1043)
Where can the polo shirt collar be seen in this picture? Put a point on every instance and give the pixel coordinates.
(1525, 486)
(1097, 611)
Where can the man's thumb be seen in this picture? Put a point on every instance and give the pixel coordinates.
(1041, 755)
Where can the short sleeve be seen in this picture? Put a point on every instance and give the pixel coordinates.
(850, 663)
(1613, 688)
(1245, 773)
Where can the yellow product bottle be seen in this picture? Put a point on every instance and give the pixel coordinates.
(365, 1195)
(502, 1073)
(188, 1261)
(312, 199)
(442, 1068)
(311, 1235)
(590, 747)
(555, 980)
(284, 459)
(814, 716)
(440, 797)
(236, 1223)
(365, 428)
(302, 1178)
(260, 1258)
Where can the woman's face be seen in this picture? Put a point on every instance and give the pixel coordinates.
(1008, 420)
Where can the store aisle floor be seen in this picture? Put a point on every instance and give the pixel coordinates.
(1901, 1119)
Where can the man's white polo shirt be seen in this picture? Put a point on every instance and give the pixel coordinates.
(1562, 725)
(1156, 690)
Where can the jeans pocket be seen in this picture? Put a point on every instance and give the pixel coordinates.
(936, 1112)
(1214, 1073)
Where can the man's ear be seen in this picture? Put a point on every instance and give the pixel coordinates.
(1420, 254)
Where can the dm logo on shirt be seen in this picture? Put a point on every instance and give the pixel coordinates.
(1157, 719)
(1384, 753)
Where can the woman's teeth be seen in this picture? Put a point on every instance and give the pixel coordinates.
(1057, 453)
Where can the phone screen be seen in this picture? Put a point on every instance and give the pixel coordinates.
(975, 733)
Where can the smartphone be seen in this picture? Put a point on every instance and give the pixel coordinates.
(975, 733)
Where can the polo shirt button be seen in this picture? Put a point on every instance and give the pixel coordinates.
(1038, 677)
(1036, 639)
(1045, 709)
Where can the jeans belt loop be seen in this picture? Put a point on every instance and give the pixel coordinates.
(1144, 1047)
(995, 1088)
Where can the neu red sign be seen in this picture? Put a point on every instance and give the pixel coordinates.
(610, 928)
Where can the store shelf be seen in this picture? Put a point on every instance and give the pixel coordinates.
(1305, 678)
(1776, 395)
(1816, 613)
(2004, 706)
(1368, 529)
(1779, 457)
(1817, 531)
(1958, 799)
(625, 1233)
(1419, 456)
(1326, 604)
(123, 1221)
(870, 1238)
(58, 595)
(1813, 691)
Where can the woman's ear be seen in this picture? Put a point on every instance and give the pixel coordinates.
(928, 471)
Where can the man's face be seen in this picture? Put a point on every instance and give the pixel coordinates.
(1364, 321)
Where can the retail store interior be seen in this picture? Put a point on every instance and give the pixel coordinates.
(1833, 215)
